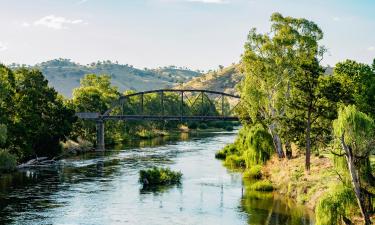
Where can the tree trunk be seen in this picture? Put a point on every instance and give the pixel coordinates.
(355, 181)
(308, 141)
(288, 150)
(277, 142)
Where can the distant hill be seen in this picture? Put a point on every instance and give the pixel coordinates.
(64, 75)
(224, 80)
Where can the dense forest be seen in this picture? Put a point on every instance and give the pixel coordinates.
(64, 75)
(292, 109)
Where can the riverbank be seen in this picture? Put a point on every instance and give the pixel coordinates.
(289, 178)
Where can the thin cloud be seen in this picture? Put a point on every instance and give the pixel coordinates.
(3, 46)
(209, 1)
(82, 2)
(57, 22)
(371, 48)
(26, 24)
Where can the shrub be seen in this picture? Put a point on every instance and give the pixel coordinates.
(202, 126)
(159, 176)
(235, 161)
(229, 149)
(334, 205)
(8, 162)
(262, 185)
(255, 172)
(228, 128)
(257, 144)
(193, 125)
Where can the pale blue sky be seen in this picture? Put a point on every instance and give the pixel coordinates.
(200, 34)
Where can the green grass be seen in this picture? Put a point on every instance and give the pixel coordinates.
(262, 185)
(255, 172)
(159, 176)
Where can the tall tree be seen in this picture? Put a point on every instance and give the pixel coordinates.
(355, 131)
(358, 84)
(41, 119)
(270, 61)
(95, 94)
(7, 91)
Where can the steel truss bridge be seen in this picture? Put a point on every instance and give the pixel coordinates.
(173, 105)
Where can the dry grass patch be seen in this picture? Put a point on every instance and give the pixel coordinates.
(289, 178)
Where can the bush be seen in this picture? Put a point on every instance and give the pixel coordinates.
(193, 125)
(255, 172)
(8, 162)
(202, 126)
(334, 205)
(235, 161)
(257, 144)
(229, 149)
(262, 185)
(159, 176)
(229, 128)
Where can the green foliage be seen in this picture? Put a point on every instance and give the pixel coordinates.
(256, 144)
(357, 85)
(159, 176)
(35, 116)
(3, 134)
(253, 146)
(8, 161)
(41, 117)
(235, 161)
(229, 149)
(357, 129)
(202, 126)
(338, 202)
(254, 172)
(355, 133)
(261, 185)
(95, 94)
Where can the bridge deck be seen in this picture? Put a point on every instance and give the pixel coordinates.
(168, 118)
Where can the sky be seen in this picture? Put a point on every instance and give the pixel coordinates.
(199, 34)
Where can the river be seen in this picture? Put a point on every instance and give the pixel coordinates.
(103, 188)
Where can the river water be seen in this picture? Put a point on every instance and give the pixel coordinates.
(103, 188)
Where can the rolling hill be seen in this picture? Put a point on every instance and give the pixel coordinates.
(64, 75)
(224, 80)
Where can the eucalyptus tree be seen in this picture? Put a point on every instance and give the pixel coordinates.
(355, 132)
(270, 62)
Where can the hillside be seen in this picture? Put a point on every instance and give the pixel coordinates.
(64, 75)
(223, 80)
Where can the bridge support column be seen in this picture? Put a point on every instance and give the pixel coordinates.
(100, 135)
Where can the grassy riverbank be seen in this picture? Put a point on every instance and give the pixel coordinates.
(290, 179)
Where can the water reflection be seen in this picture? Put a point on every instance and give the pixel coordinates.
(103, 188)
(271, 208)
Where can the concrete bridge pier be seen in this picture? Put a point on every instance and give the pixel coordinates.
(100, 146)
